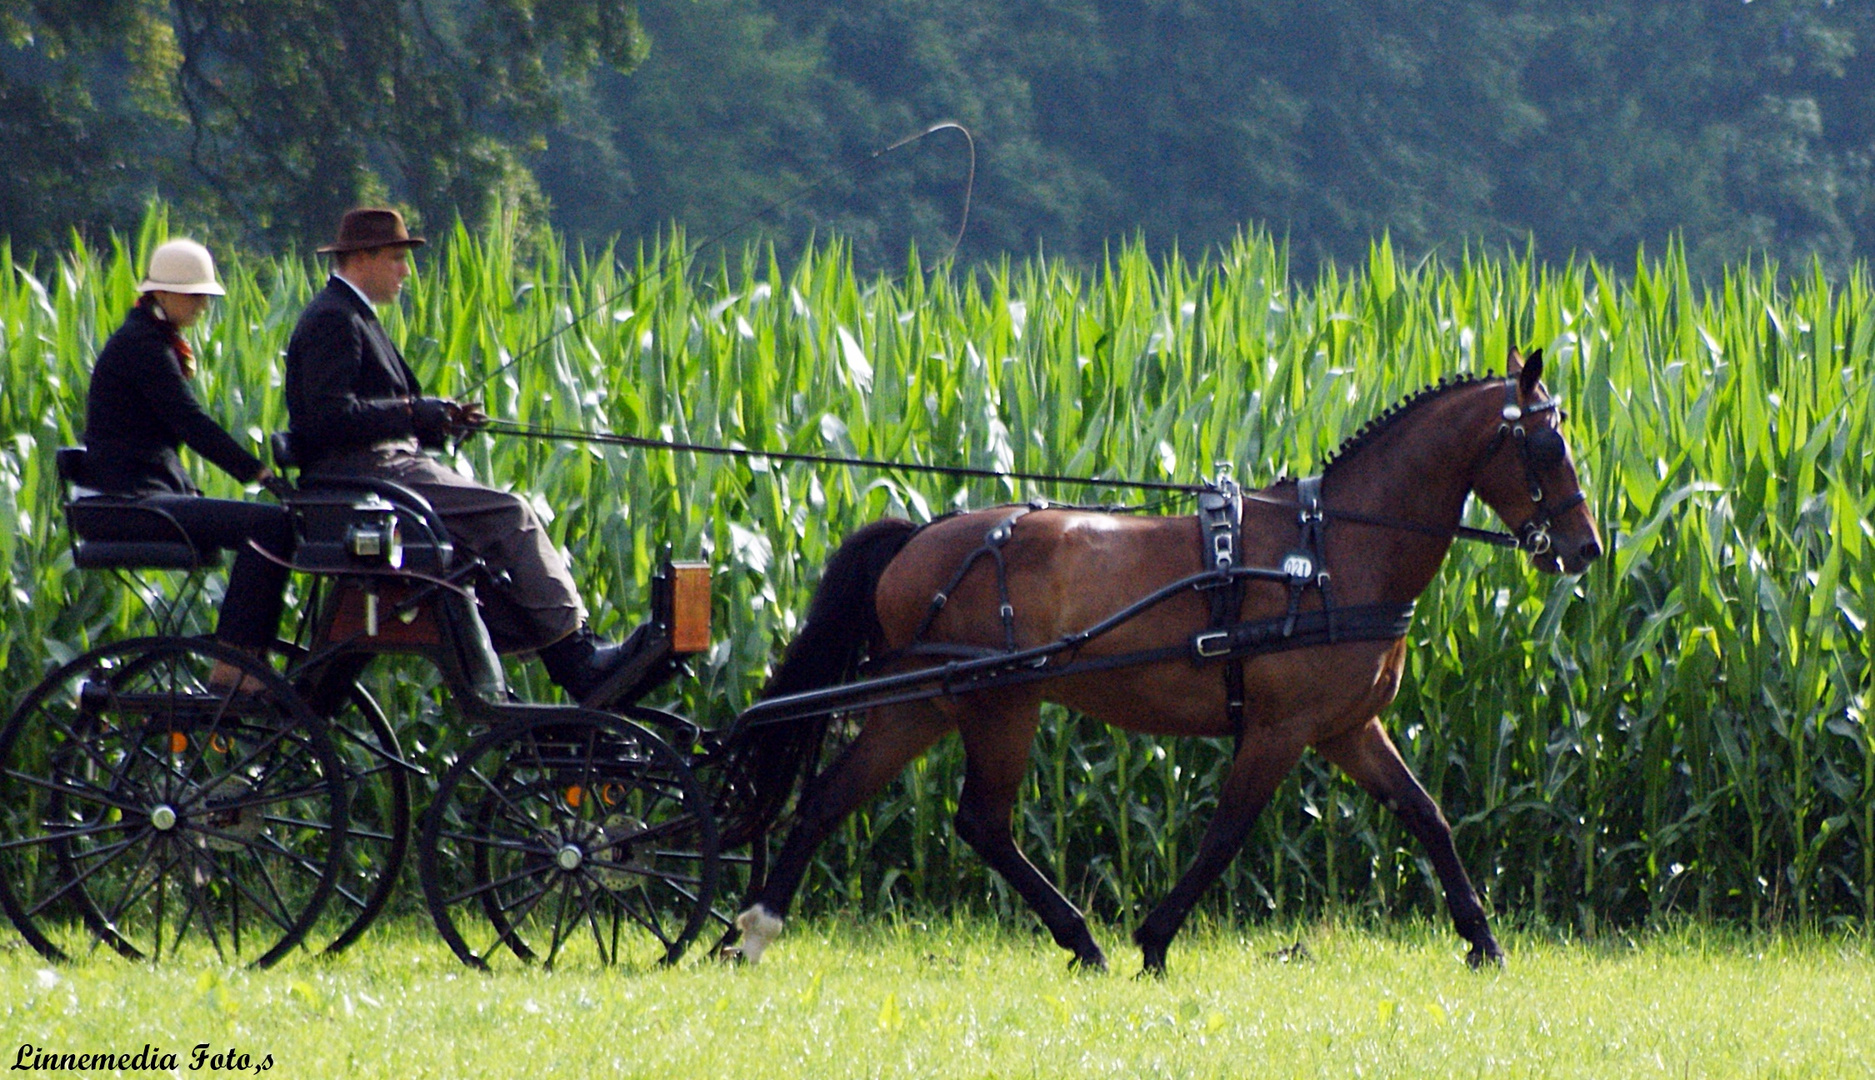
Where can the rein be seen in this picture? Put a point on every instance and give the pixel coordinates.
(504, 427)
(1494, 537)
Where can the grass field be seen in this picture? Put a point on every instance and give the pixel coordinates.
(975, 999)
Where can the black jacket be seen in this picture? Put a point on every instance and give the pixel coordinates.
(347, 386)
(139, 410)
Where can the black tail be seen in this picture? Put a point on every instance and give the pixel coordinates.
(767, 763)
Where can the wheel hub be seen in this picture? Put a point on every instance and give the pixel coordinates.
(163, 817)
(569, 858)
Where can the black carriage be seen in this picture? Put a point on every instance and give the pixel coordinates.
(153, 812)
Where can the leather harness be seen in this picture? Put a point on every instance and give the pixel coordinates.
(1304, 567)
(1228, 637)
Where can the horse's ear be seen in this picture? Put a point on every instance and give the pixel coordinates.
(1513, 363)
(1531, 373)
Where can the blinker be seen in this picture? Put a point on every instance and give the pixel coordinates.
(1545, 449)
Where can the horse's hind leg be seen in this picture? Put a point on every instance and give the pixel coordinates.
(888, 742)
(996, 757)
(1260, 766)
(1370, 759)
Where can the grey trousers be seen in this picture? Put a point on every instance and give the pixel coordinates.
(531, 600)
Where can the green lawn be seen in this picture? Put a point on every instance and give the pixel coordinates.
(970, 999)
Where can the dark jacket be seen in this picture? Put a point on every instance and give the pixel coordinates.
(139, 410)
(347, 386)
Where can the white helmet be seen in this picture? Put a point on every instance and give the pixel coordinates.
(182, 266)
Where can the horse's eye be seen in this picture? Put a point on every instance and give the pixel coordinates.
(1544, 448)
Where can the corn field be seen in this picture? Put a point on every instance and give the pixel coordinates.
(1683, 731)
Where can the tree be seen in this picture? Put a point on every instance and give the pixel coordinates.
(70, 117)
(287, 112)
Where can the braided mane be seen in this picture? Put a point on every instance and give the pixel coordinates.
(1371, 430)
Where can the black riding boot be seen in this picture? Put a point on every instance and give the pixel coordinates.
(580, 663)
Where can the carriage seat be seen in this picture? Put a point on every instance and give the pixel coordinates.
(110, 532)
(347, 523)
(363, 530)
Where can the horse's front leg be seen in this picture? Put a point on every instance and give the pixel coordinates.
(1263, 759)
(1372, 761)
(996, 757)
(890, 740)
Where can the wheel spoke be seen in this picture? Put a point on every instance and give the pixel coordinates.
(487, 886)
(267, 879)
(556, 939)
(326, 826)
(299, 862)
(197, 897)
(90, 792)
(501, 797)
(524, 847)
(110, 850)
(679, 826)
(281, 917)
(264, 746)
(639, 870)
(57, 834)
(606, 957)
(644, 918)
(509, 937)
(131, 896)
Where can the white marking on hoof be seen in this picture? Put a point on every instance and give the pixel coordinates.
(759, 927)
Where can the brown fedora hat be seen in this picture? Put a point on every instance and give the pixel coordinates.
(367, 228)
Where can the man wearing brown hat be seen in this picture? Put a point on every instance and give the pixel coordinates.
(356, 409)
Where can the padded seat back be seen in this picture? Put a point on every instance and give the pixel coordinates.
(113, 533)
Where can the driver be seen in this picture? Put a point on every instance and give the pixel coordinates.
(356, 409)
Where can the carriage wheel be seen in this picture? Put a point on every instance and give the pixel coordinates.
(570, 838)
(148, 812)
(742, 869)
(377, 833)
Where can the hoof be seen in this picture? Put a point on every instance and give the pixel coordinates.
(1298, 953)
(758, 927)
(1089, 964)
(1486, 955)
(1152, 972)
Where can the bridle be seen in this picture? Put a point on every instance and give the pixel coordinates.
(1539, 451)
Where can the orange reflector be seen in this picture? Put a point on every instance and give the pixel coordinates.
(609, 793)
(690, 615)
(573, 796)
(220, 743)
(178, 742)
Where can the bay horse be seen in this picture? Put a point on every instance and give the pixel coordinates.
(1390, 503)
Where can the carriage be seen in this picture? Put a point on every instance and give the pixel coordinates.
(144, 808)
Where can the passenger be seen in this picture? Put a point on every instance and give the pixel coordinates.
(356, 409)
(139, 409)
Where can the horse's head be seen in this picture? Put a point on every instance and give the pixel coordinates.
(1528, 476)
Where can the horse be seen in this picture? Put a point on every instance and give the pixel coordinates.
(1386, 509)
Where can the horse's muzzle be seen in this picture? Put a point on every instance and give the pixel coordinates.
(1567, 554)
